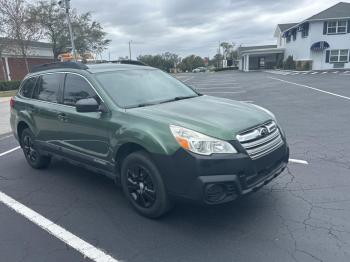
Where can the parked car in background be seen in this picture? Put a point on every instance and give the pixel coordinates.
(199, 69)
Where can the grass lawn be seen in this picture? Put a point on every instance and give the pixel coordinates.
(8, 93)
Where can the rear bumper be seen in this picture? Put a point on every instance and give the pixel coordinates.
(218, 179)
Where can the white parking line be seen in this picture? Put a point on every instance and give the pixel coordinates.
(213, 88)
(298, 161)
(86, 249)
(310, 87)
(223, 92)
(324, 73)
(185, 80)
(9, 151)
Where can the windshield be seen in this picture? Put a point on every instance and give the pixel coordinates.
(135, 88)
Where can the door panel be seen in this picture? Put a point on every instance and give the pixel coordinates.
(43, 108)
(83, 135)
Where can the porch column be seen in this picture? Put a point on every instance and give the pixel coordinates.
(247, 63)
(7, 69)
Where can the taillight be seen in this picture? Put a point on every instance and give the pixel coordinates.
(12, 102)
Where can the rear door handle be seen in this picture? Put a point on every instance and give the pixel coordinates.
(62, 117)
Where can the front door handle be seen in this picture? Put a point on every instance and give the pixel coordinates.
(62, 117)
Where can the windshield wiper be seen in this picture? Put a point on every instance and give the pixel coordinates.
(161, 102)
(141, 105)
(177, 98)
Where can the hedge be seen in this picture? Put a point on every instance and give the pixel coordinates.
(226, 68)
(9, 85)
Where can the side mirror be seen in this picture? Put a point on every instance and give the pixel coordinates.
(87, 105)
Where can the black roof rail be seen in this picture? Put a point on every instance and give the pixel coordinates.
(57, 65)
(128, 62)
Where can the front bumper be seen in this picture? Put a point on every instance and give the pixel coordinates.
(218, 179)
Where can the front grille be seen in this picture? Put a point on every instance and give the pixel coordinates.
(261, 140)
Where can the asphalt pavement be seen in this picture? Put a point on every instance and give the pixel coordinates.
(303, 215)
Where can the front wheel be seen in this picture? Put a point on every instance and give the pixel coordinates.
(33, 156)
(143, 185)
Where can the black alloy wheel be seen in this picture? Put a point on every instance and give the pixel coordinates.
(28, 149)
(34, 158)
(140, 186)
(143, 185)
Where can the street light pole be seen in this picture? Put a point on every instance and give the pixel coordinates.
(66, 4)
(130, 49)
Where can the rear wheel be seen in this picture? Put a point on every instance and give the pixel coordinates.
(33, 156)
(143, 185)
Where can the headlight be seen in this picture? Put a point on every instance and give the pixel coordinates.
(199, 143)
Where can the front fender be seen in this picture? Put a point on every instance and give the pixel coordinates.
(153, 142)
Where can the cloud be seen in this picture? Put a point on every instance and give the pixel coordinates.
(193, 26)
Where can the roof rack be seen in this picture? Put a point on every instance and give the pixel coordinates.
(128, 62)
(57, 65)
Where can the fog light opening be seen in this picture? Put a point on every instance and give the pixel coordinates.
(215, 192)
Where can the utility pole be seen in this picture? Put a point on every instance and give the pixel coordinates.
(130, 49)
(66, 5)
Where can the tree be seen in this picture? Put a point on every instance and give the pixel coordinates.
(19, 26)
(191, 62)
(4, 44)
(165, 61)
(216, 60)
(89, 34)
(227, 47)
(52, 21)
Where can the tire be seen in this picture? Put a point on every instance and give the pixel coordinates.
(139, 178)
(32, 155)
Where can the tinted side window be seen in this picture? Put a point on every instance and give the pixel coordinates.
(76, 88)
(47, 87)
(28, 87)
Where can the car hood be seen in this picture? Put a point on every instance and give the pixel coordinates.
(217, 117)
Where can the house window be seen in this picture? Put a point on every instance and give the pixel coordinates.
(305, 30)
(288, 38)
(339, 56)
(337, 27)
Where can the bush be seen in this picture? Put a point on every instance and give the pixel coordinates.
(9, 85)
(307, 66)
(279, 64)
(226, 68)
(299, 65)
(289, 63)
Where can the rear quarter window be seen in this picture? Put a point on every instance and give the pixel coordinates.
(28, 87)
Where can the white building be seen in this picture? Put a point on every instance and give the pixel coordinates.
(322, 41)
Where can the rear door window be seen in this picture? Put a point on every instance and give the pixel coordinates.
(47, 87)
(76, 88)
(28, 87)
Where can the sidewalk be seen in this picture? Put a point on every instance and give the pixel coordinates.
(4, 99)
(4, 115)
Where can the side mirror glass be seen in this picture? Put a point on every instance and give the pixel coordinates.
(87, 105)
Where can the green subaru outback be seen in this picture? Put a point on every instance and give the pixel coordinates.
(158, 137)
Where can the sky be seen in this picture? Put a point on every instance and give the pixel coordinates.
(190, 27)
